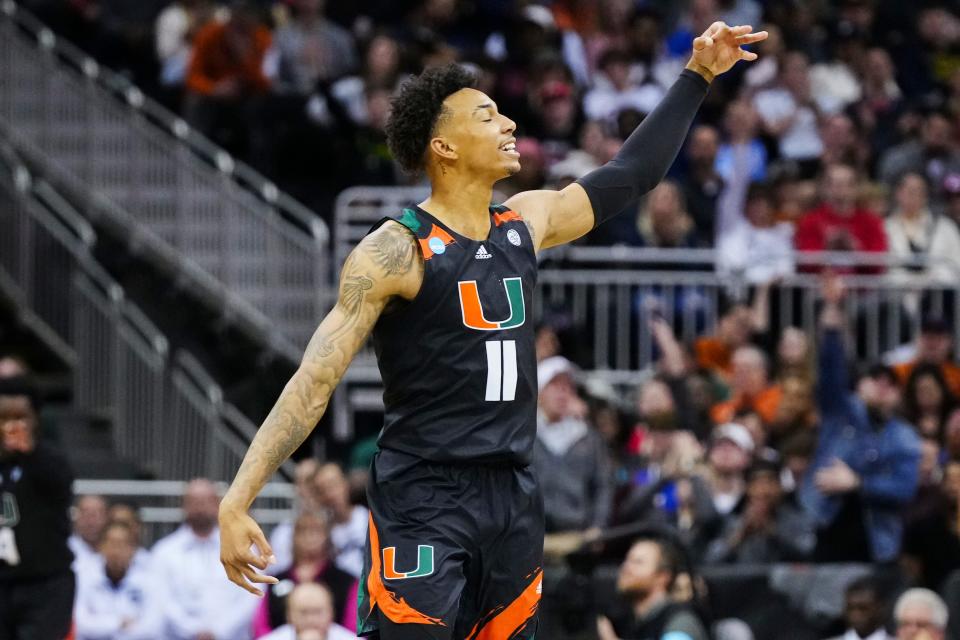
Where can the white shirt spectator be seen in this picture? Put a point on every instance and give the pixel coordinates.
(834, 86)
(802, 140)
(196, 593)
(932, 236)
(604, 102)
(350, 540)
(86, 559)
(130, 610)
(759, 254)
(287, 632)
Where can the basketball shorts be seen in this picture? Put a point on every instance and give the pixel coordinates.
(454, 552)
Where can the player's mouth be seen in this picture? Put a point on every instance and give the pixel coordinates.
(510, 148)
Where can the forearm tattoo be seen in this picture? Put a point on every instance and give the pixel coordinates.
(388, 254)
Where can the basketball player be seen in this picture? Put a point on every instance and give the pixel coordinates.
(455, 537)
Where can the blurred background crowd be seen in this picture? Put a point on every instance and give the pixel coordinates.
(743, 448)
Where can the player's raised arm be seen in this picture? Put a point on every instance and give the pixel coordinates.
(643, 160)
(385, 265)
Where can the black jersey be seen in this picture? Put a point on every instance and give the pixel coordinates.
(458, 361)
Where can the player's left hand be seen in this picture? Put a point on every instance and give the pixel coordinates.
(239, 533)
(718, 49)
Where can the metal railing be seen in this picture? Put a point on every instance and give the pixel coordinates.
(197, 210)
(167, 415)
(158, 502)
(609, 293)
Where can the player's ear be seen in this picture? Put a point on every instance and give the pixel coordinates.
(443, 148)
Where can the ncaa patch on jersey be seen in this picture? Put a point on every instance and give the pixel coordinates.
(436, 245)
(513, 237)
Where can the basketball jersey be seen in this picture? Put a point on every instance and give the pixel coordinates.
(458, 361)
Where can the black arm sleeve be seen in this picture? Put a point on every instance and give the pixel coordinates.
(647, 154)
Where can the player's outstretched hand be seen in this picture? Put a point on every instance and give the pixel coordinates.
(718, 49)
(238, 535)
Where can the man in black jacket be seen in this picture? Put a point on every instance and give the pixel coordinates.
(36, 582)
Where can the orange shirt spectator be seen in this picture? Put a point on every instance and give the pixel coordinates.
(934, 346)
(228, 59)
(714, 354)
(765, 404)
(750, 388)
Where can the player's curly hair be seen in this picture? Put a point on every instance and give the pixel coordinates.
(417, 110)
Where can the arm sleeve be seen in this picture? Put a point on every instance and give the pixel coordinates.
(832, 385)
(648, 152)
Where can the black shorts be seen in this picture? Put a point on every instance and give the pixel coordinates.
(454, 552)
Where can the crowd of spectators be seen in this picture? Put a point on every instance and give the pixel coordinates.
(753, 451)
(177, 589)
(843, 136)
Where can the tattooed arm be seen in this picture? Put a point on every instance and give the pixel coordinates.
(385, 266)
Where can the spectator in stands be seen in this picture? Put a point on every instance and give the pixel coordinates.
(838, 224)
(750, 388)
(199, 602)
(755, 245)
(129, 515)
(913, 231)
(89, 520)
(309, 49)
(305, 500)
(702, 184)
(663, 221)
(842, 143)
(794, 355)
(646, 607)
(934, 346)
(920, 614)
(36, 583)
(796, 411)
(730, 455)
(569, 456)
(349, 530)
(175, 29)
(951, 437)
(864, 611)
(614, 91)
(881, 102)
(931, 546)
(742, 156)
(312, 562)
(768, 530)
(120, 600)
(735, 327)
(932, 155)
(927, 401)
(789, 114)
(310, 615)
(225, 75)
(866, 465)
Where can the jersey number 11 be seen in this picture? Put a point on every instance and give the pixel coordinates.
(501, 370)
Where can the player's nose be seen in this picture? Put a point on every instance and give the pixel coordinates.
(509, 126)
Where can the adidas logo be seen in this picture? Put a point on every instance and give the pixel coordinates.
(482, 253)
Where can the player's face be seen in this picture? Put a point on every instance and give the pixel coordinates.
(479, 137)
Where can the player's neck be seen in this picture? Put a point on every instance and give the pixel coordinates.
(462, 203)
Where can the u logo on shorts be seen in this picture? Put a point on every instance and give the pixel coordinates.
(424, 563)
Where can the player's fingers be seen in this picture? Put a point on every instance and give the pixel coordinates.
(266, 551)
(741, 30)
(254, 560)
(750, 38)
(701, 43)
(714, 28)
(237, 578)
(257, 578)
(748, 55)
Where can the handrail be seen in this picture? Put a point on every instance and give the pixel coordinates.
(122, 88)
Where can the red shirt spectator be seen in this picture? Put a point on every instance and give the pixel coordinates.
(839, 224)
(228, 59)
